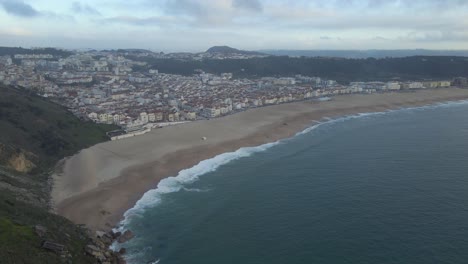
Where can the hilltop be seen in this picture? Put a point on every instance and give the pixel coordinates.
(35, 134)
(228, 50)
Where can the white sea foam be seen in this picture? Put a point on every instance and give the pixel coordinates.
(195, 190)
(187, 176)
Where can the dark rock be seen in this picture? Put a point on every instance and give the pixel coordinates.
(99, 244)
(116, 235)
(106, 240)
(126, 236)
(53, 246)
(96, 252)
(91, 248)
(122, 251)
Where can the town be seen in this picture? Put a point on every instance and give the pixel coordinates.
(109, 87)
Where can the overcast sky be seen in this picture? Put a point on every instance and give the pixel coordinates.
(195, 25)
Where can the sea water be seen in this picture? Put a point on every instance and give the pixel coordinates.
(388, 187)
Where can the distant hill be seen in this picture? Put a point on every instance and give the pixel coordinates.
(19, 50)
(363, 54)
(229, 50)
(340, 69)
(133, 51)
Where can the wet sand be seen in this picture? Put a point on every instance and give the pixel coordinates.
(97, 185)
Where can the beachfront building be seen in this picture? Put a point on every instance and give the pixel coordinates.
(151, 117)
(116, 119)
(210, 112)
(445, 84)
(190, 116)
(412, 85)
(392, 86)
(460, 82)
(144, 118)
(437, 84)
(173, 117)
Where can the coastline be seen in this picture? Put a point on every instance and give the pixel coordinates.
(99, 184)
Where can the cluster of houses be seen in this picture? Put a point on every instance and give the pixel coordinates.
(105, 88)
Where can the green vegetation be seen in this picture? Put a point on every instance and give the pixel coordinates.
(35, 134)
(44, 128)
(20, 244)
(340, 69)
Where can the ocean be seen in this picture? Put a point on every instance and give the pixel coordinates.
(372, 188)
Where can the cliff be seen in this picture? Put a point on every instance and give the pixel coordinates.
(35, 134)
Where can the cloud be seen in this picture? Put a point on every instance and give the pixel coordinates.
(424, 4)
(188, 7)
(436, 36)
(19, 8)
(161, 21)
(251, 5)
(279, 23)
(80, 8)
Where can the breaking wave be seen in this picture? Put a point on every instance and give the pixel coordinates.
(187, 176)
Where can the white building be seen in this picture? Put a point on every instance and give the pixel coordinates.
(414, 85)
(392, 86)
(144, 118)
(151, 117)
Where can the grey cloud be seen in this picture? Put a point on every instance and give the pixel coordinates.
(78, 7)
(162, 21)
(330, 38)
(198, 13)
(437, 36)
(252, 5)
(379, 38)
(398, 22)
(420, 4)
(188, 7)
(19, 8)
(133, 20)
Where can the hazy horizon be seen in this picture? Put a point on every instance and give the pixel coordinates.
(192, 26)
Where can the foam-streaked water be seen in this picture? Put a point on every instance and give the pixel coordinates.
(372, 188)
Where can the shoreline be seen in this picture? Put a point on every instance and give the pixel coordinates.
(99, 184)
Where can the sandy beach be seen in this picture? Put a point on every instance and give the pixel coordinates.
(97, 185)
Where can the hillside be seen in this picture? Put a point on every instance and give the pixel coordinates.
(34, 135)
(340, 69)
(43, 129)
(364, 54)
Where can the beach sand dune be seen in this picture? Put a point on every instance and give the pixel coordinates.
(100, 183)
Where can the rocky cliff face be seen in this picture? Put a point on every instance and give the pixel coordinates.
(21, 163)
(16, 159)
